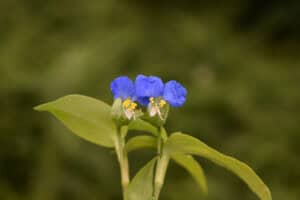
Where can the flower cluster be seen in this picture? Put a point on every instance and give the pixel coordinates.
(148, 91)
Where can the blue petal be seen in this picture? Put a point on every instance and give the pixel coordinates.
(148, 86)
(174, 93)
(122, 87)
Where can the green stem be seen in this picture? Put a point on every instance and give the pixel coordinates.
(123, 162)
(161, 166)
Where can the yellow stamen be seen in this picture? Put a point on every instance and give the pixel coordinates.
(132, 106)
(151, 99)
(127, 103)
(162, 103)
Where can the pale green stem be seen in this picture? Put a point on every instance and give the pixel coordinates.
(123, 162)
(161, 168)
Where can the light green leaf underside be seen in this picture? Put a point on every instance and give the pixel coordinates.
(86, 117)
(141, 125)
(183, 143)
(141, 186)
(139, 142)
(193, 167)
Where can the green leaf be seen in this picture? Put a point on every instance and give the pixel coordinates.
(193, 167)
(141, 125)
(86, 117)
(141, 186)
(138, 142)
(183, 143)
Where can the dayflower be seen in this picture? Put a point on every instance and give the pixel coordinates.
(151, 92)
(123, 88)
(174, 93)
(147, 87)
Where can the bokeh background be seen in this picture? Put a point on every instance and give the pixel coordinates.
(238, 59)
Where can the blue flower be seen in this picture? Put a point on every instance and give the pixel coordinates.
(147, 87)
(122, 87)
(174, 93)
(149, 91)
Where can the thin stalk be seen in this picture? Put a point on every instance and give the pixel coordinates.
(123, 162)
(161, 167)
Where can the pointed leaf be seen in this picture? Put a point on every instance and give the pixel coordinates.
(86, 117)
(141, 125)
(138, 142)
(193, 167)
(183, 143)
(141, 186)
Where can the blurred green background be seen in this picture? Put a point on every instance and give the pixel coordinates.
(238, 59)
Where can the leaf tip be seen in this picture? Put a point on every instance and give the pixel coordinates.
(205, 190)
(268, 195)
(43, 107)
(39, 107)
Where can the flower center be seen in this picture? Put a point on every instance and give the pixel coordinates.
(129, 105)
(130, 109)
(155, 106)
(157, 102)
